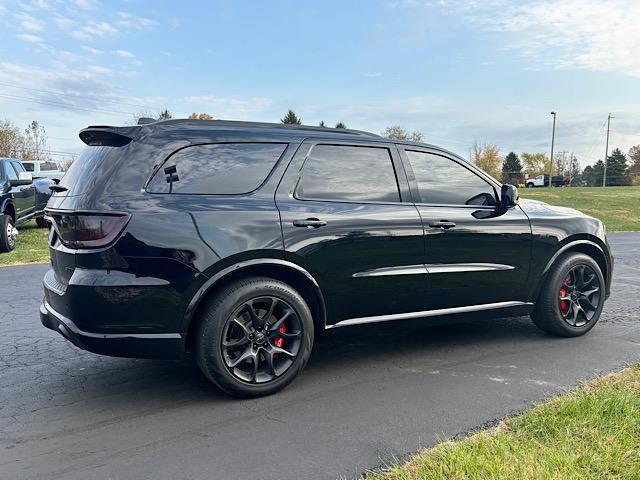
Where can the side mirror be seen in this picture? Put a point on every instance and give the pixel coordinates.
(508, 196)
(24, 178)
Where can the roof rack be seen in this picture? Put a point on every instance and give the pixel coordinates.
(235, 123)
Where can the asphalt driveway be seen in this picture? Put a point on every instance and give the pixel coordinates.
(368, 396)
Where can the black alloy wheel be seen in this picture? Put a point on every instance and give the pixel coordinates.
(579, 295)
(261, 339)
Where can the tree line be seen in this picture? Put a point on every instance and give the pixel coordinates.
(29, 143)
(622, 169)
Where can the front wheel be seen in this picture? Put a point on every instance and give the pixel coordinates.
(529, 185)
(254, 337)
(8, 234)
(572, 298)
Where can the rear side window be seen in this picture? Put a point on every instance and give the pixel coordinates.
(48, 166)
(77, 179)
(348, 173)
(445, 182)
(28, 167)
(217, 169)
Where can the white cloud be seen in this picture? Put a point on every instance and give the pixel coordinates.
(124, 54)
(92, 51)
(27, 37)
(85, 4)
(98, 69)
(63, 22)
(598, 35)
(130, 21)
(29, 22)
(94, 29)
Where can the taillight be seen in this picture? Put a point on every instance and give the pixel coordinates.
(88, 229)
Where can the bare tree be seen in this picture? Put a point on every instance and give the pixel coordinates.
(35, 142)
(399, 133)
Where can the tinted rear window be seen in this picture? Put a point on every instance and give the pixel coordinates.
(217, 169)
(82, 170)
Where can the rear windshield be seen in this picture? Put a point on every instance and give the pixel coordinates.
(83, 168)
(217, 169)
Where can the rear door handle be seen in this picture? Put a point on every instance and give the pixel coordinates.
(444, 224)
(309, 223)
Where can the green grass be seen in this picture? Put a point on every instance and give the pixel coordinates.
(32, 246)
(590, 433)
(617, 207)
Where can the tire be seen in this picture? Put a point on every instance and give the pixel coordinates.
(556, 316)
(42, 223)
(218, 333)
(7, 234)
(529, 185)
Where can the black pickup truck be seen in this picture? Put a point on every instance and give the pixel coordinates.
(22, 198)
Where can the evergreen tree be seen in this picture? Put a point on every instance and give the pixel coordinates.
(340, 125)
(617, 169)
(592, 175)
(291, 118)
(164, 115)
(634, 158)
(322, 124)
(511, 169)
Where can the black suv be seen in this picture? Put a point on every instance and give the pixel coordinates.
(240, 242)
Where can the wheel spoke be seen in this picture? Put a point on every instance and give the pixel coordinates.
(267, 316)
(588, 302)
(256, 363)
(287, 335)
(275, 349)
(253, 316)
(579, 276)
(235, 343)
(268, 356)
(280, 321)
(588, 293)
(243, 356)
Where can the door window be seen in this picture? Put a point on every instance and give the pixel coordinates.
(9, 171)
(349, 174)
(443, 181)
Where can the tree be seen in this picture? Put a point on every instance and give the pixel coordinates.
(511, 169)
(164, 115)
(634, 158)
(617, 169)
(341, 125)
(535, 163)
(487, 157)
(35, 142)
(322, 124)
(201, 116)
(11, 140)
(592, 175)
(291, 118)
(399, 133)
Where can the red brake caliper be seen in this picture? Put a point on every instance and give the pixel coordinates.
(279, 342)
(564, 304)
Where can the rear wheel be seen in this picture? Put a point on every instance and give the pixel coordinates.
(529, 185)
(42, 223)
(254, 337)
(8, 234)
(571, 301)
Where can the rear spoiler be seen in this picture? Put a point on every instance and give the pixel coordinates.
(105, 136)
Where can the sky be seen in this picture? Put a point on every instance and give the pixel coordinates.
(458, 71)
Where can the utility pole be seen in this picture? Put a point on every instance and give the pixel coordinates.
(606, 152)
(553, 137)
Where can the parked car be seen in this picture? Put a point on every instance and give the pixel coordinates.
(21, 199)
(543, 181)
(240, 242)
(41, 168)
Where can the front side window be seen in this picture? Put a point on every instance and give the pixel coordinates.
(9, 172)
(29, 167)
(217, 169)
(443, 181)
(348, 173)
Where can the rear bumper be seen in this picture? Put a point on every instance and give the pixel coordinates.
(134, 345)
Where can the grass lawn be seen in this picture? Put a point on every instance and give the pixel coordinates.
(32, 246)
(590, 433)
(617, 207)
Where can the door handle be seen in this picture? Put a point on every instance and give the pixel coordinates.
(309, 223)
(443, 224)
